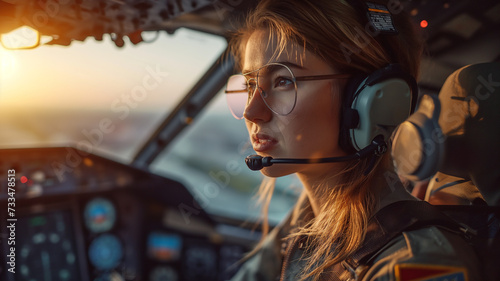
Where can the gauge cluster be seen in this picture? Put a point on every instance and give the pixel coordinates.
(134, 231)
(47, 250)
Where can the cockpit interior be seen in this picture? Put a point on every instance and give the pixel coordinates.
(119, 159)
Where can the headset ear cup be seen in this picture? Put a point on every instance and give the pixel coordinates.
(374, 105)
(349, 116)
(381, 108)
(418, 146)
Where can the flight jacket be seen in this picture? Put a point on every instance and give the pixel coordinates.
(429, 252)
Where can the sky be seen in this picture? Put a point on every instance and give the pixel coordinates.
(93, 74)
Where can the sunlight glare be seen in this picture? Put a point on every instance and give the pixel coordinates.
(7, 64)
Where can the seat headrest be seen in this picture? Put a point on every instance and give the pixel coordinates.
(472, 92)
(457, 133)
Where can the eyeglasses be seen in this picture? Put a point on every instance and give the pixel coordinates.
(276, 85)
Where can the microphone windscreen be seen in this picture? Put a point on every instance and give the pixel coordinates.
(254, 162)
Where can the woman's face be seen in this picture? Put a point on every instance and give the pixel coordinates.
(311, 130)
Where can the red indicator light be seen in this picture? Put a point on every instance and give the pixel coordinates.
(424, 24)
(24, 179)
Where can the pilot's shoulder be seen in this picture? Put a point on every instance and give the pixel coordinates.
(265, 263)
(429, 253)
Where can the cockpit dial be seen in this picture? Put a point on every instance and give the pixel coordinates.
(99, 215)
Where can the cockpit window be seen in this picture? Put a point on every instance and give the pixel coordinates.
(97, 97)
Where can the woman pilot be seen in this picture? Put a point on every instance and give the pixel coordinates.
(302, 63)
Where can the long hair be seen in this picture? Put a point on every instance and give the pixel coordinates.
(333, 31)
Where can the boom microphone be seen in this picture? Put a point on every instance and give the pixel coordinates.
(377, 147)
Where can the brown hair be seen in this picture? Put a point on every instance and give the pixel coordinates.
(333, 31)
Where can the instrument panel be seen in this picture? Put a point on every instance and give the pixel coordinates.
(102, 220)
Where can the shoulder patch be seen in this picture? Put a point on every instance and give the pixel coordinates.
(427, 272)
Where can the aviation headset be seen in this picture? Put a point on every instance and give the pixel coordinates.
(376, 103)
